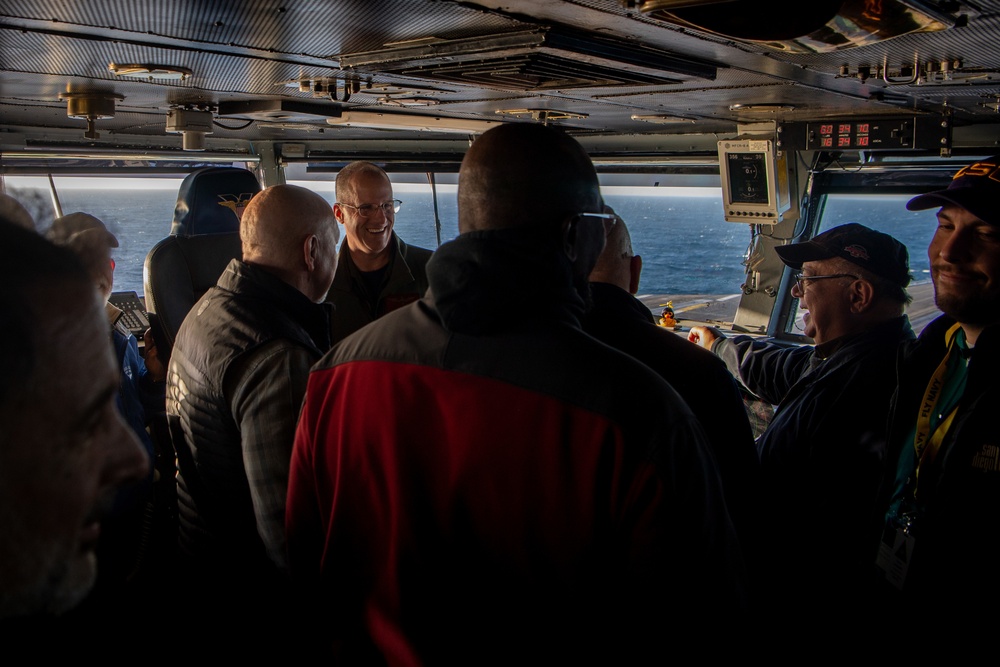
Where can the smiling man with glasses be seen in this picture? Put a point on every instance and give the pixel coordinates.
(377, 272)
(821, 454)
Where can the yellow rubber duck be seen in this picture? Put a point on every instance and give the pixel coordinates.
(667, 316)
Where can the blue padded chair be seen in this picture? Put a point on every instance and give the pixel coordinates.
(178, 270)
(203, 238)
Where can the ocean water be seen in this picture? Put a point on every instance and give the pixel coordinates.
(686, 245)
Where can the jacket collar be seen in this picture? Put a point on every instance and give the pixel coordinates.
(348, 271)
(493, 280)
(932, 340)
(256, 283)
(892, 332)
(613, 302)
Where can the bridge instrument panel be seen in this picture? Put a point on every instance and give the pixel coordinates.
(867, 134)
(754, 181)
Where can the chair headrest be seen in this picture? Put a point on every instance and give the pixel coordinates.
(211, 201)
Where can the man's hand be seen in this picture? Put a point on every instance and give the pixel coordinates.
(704, 336)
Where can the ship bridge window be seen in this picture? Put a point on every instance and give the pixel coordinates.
(137, 210)
(687, 247)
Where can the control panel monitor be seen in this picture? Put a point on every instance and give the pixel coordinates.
(754, 181)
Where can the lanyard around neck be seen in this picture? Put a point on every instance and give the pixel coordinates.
(927, 441)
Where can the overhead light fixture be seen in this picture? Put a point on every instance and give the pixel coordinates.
(761, 108)
(409, 101)
(90, 106)
(661, 119)
(193, 124)
(658, 160)
(543, 115)
(150, 72)
(96, 153)
(392, 121)
(302, 127)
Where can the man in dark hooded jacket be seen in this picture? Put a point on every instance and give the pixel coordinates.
(477, 480)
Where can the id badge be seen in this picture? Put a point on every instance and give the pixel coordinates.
(894, 554)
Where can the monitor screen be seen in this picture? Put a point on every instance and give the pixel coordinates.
(747, 178)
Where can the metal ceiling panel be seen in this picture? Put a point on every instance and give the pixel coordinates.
(598, 59)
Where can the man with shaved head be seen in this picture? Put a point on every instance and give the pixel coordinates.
(475, 480)
(617, 318)
(235, 384)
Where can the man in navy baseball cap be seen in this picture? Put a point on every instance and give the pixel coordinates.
(873, 251)
(820, 455)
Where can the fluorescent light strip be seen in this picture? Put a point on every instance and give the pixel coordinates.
(388, 121)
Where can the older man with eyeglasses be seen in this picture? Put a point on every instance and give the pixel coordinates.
(821, 454)
(377, 272)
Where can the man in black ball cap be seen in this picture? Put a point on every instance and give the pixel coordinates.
(821, 455)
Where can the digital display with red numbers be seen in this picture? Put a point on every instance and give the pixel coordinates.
(868, 134)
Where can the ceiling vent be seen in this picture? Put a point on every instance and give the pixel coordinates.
(532, 60)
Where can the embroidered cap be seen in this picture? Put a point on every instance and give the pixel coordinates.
(976, 188)
(873, 251)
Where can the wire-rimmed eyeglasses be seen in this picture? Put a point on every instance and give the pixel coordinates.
(367, 210)
(801, 278)
(608, 219)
